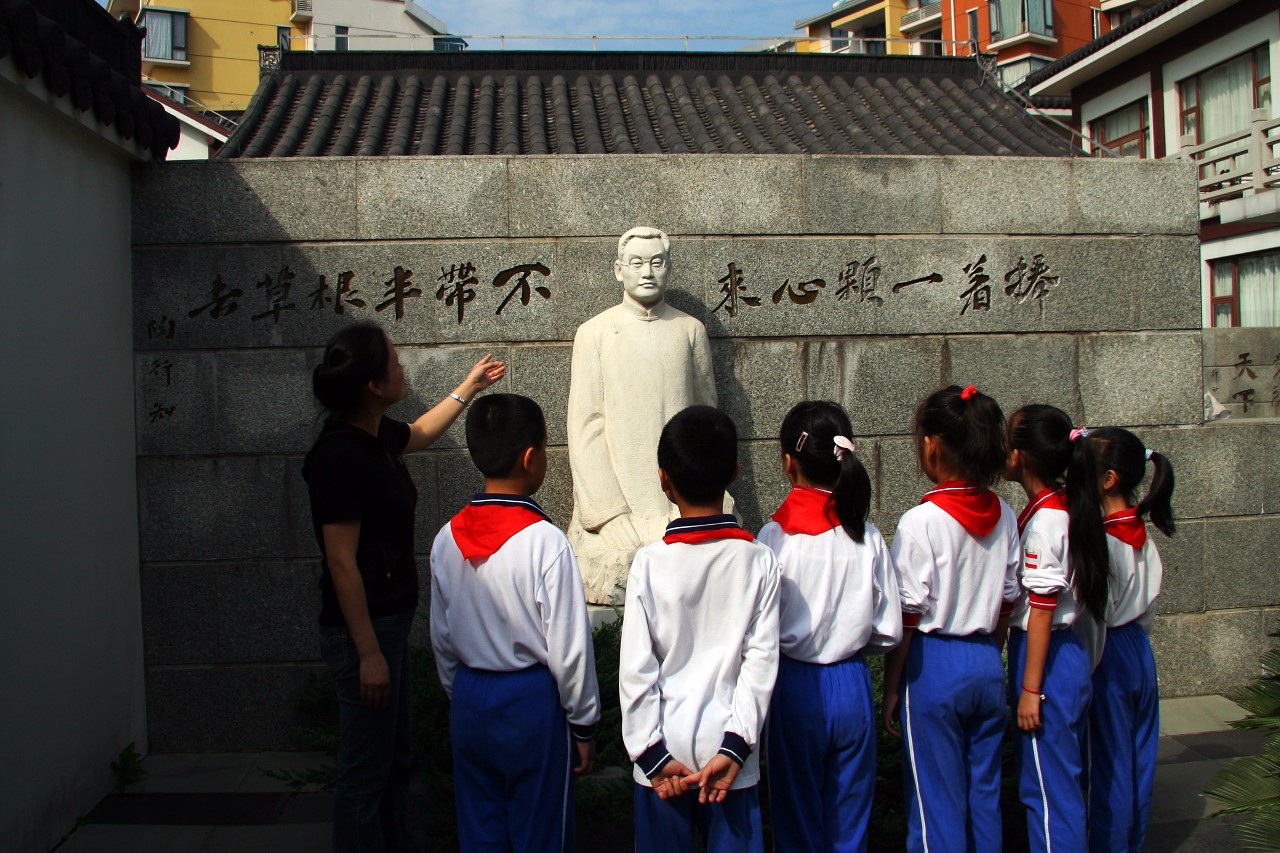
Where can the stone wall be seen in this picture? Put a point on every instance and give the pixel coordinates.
(1089, 269)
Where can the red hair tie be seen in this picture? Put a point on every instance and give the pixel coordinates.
(968, 392)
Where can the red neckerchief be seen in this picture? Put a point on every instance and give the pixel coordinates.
(1049, 498)
(977, 510)
(1127, 527)
(488, 521)
(707, 528)
(807, 510)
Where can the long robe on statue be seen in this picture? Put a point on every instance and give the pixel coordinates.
(633, 369)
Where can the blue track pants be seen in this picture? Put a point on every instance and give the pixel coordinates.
(1124, 728)
(1050, 762)
(821, 756)
(511, 762)
(667, 826)
(953, 719)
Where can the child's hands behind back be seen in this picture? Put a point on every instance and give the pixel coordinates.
(714, 780)
(672, 780)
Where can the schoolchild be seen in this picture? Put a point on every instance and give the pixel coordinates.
(957, 559)
(1124, 720)
(838, 603)
(1063, 574)
(699, 652)
(512, 641)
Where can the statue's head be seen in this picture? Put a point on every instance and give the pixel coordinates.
(643, 264)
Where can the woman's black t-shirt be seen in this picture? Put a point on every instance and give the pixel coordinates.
(354, 476)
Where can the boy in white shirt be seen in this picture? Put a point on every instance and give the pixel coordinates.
(699, 652)
(512, 641)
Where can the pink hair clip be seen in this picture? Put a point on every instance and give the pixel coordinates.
(843, 446)
(1079, 432)
(804, 436)
(968, 392)
(1149, 452)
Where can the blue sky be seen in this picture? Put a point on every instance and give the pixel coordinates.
(751, 18)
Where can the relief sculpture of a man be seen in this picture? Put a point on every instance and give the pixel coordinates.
(634, 366)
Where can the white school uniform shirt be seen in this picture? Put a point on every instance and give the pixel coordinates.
(837, 597)
(519, 607)
(1045, 573)
(956, 581)
(1136, 575)
(699, 651)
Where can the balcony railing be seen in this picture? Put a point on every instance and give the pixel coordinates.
(921, 14)
(1238, 164)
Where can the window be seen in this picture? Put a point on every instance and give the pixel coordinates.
(1097, 22)
(1217, 102)
(973, 30)
(1123, 131)
(839, 40)
(176, 91)
(284, 37)
(929, 43)
(993, 18)
(875, 41)
(1245, 290)
(1018, 17)
(340, 38)
(166, 35)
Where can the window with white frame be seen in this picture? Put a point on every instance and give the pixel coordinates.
(1217, 102)
(839, 40)
(973, 30)
(1097, 22)
(1123, 131)
(1245, 290)
(166, 37)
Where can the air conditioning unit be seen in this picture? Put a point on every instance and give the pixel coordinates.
(301, 10)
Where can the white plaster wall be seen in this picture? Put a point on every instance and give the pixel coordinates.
(70, 623)
(384, 25)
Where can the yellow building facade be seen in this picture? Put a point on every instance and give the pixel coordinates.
(856, 27)
(206, 51)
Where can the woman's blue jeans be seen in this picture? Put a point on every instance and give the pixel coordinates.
(371, 798)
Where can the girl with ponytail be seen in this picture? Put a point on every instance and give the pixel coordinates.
(1063, 575)
(838, 603)
(1124, 720)
(944, 687)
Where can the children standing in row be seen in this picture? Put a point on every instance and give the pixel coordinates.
(1124, 719)
(1064, 572)
(839, 602)
(957, 558)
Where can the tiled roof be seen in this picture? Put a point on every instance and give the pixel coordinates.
(332, 104)
(83, 54)
(1090, 48)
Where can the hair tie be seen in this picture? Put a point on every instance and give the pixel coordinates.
(804, 436)
(968, 392)
(1078, 432)
(1149, 451)
(843, 446)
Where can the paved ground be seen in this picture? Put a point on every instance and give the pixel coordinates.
(225, 803)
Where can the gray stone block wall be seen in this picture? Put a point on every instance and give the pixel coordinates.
(874, 280)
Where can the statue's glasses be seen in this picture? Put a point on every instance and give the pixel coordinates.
(654, 263)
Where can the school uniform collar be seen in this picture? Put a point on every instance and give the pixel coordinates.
(807, 510)
(704, 528)
(485, 524)
(976, 510)
(1053, 497)
(1127, 527)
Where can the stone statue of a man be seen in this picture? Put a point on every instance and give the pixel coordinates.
(634, 366)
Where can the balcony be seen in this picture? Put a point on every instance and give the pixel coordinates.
(1239, 174)
(920, 18)
(302, 10)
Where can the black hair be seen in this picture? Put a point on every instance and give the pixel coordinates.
(970, 426)
(1042, 434)
(808, 436)
(354, 357)
(1123, 452)
(698, 450)
(500, 428)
